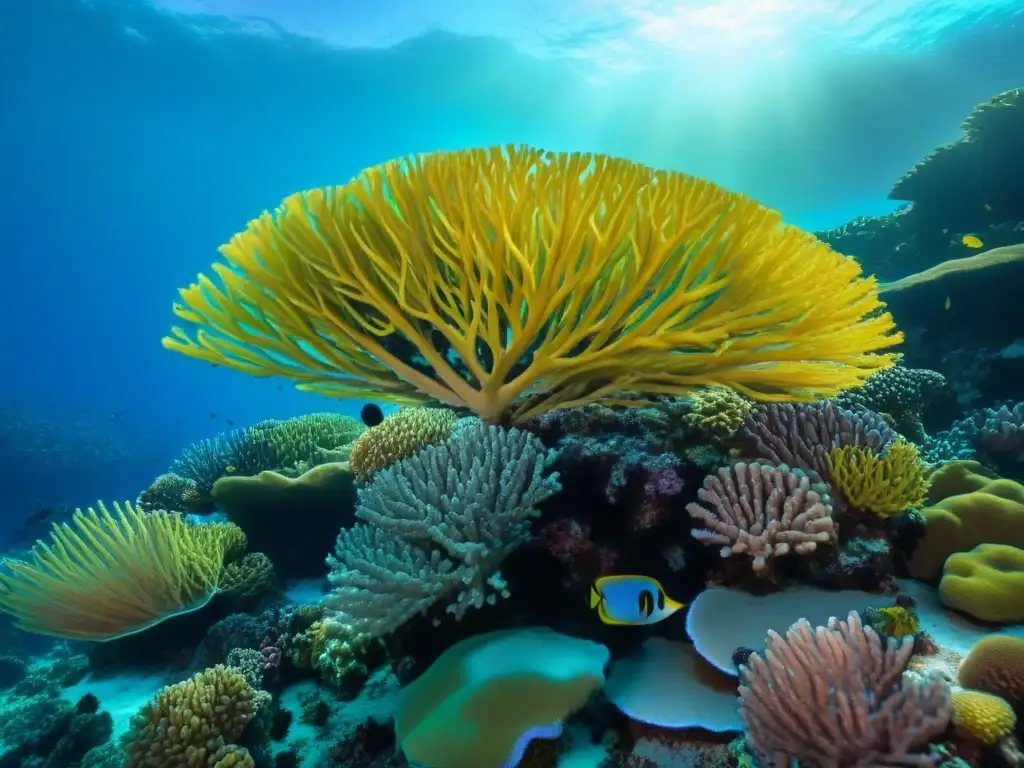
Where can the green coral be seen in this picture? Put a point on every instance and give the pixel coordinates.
(718, 413)
(300, 443)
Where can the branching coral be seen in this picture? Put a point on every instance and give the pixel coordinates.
(438, 523)
(762, 511)
(887, 485)
(837, 696)
(801, 436)
(512, 280)
(108, 575)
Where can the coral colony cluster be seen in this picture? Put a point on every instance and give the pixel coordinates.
(596, 378)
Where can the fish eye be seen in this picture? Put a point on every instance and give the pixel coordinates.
(661, 601)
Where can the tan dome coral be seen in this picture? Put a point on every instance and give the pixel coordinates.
(398, 437)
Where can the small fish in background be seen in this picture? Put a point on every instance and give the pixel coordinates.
(371, 414)
(631, 600)
(230, 469)
(971, 241)
(213, 415)
(230, 423)
(988, 207)
(948, 303)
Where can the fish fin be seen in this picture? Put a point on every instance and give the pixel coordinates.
(613, 622)
(595, 596)
(671, 606)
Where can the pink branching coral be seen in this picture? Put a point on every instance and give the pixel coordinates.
(762, 511)
(837, 696)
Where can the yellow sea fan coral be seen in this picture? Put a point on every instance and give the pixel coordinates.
(982, 716)
(511, 281)
(187, 724)
(107, 575)
(398, 437)
(887, 485)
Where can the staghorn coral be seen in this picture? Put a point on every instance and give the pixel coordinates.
(837, 695)
(886, 485)
(391, 285)
(109, 575)
(187, 724)
(801, 436)
(762, 511)
(438, 523)
(398, 437)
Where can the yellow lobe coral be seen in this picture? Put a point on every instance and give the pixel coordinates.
(986, 583)
(398, 437)
(107, 575)
(510, 281)
(887, 485)
(966, 508)
(982, 716)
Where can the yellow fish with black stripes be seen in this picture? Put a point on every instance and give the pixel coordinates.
(631, 600)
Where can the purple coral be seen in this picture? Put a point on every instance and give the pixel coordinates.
(762, 511)
(802, 435)
(837, 695)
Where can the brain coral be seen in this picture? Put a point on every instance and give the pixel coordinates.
(996, 665)
(983, 716)
(965, 509)
(987, 583)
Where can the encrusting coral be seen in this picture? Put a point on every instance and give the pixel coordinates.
(762, 511)
(109, 575)
(837, 695)
(395, 286)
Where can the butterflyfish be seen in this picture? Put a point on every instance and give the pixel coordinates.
(631, 600)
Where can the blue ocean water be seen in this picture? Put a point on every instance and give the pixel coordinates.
(137, 137)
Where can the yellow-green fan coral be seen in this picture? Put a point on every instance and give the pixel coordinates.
(106, 575)
(511, 281)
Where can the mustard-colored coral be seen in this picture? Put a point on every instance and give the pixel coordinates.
(398, 437)
(250, 576)
(232, 756)
(995, 664)
(106, 574)
(512, 280)
(986, 583)
(982, 716)
(899, 621)
(886, 485)
(718, 412)
(966, 507)
(189, 723)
